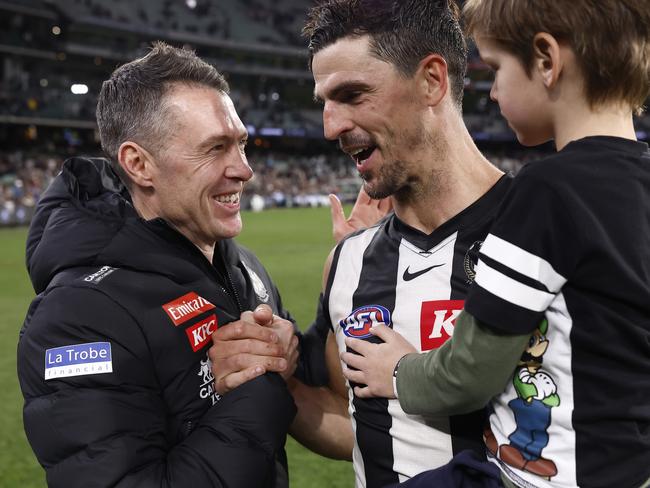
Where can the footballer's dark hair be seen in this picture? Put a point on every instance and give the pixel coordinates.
(402, 32)
(131, 104)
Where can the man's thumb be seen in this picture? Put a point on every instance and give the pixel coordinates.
(263, 314)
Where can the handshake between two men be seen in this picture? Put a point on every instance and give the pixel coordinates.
(259, 342)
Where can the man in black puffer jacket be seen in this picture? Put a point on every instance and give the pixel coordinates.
(131, 282)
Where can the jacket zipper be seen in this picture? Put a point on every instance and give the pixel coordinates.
(213, 269)
(234, 290)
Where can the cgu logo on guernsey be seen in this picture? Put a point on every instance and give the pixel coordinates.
(361, 320)
(186, 307)
(437, 320)
(78, 360)
(201, 333)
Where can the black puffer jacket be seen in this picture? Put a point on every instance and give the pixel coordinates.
(112, 358)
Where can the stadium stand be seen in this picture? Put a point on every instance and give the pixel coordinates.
(56, 53)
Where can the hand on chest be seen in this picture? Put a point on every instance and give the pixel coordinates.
(420, 296)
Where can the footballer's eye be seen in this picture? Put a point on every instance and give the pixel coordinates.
(532, 341)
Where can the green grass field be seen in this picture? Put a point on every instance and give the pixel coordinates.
(292, 244)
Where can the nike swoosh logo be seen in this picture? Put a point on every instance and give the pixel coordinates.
(411, 276)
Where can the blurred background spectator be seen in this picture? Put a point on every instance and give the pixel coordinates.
(56, 53)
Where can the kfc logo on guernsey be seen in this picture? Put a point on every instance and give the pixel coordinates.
(186, 307)
(361, 320)
(201, 333)
(437, 321)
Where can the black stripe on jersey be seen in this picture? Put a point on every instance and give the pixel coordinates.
(378, 278)
(466, 429)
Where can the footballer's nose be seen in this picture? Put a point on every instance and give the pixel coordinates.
(336, 121)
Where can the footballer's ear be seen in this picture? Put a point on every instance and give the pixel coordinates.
(136, 162)
(547, 58)
(433, 78)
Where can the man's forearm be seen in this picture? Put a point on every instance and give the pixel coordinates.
(312, 368)
(463, 374)
(322, 423)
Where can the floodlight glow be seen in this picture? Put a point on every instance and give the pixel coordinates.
(79, 89)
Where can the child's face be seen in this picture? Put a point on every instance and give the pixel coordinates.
(522, 99)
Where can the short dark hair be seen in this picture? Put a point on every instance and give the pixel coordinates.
(402, 32)
(131, 104)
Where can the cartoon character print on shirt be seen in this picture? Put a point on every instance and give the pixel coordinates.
(536, 396)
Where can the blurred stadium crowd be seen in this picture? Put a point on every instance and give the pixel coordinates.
(56, 53)
(281, 180)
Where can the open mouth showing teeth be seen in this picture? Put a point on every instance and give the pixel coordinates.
(231, 199)
(362, 154)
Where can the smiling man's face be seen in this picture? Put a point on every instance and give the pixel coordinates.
(201, 171)
(374, 113)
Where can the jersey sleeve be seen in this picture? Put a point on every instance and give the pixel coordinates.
(528, 256)
(110, 427)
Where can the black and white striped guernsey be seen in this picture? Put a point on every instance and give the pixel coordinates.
(417, 284)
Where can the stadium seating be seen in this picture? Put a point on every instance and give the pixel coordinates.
(49, 45)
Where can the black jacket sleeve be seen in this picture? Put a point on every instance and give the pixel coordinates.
(113, 429)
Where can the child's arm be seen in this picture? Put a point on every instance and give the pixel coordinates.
(463, 374)
(458, 378)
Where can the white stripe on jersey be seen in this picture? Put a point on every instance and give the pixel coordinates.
(416, 447)
(346, 280)
(511, 290)
(523, 262)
